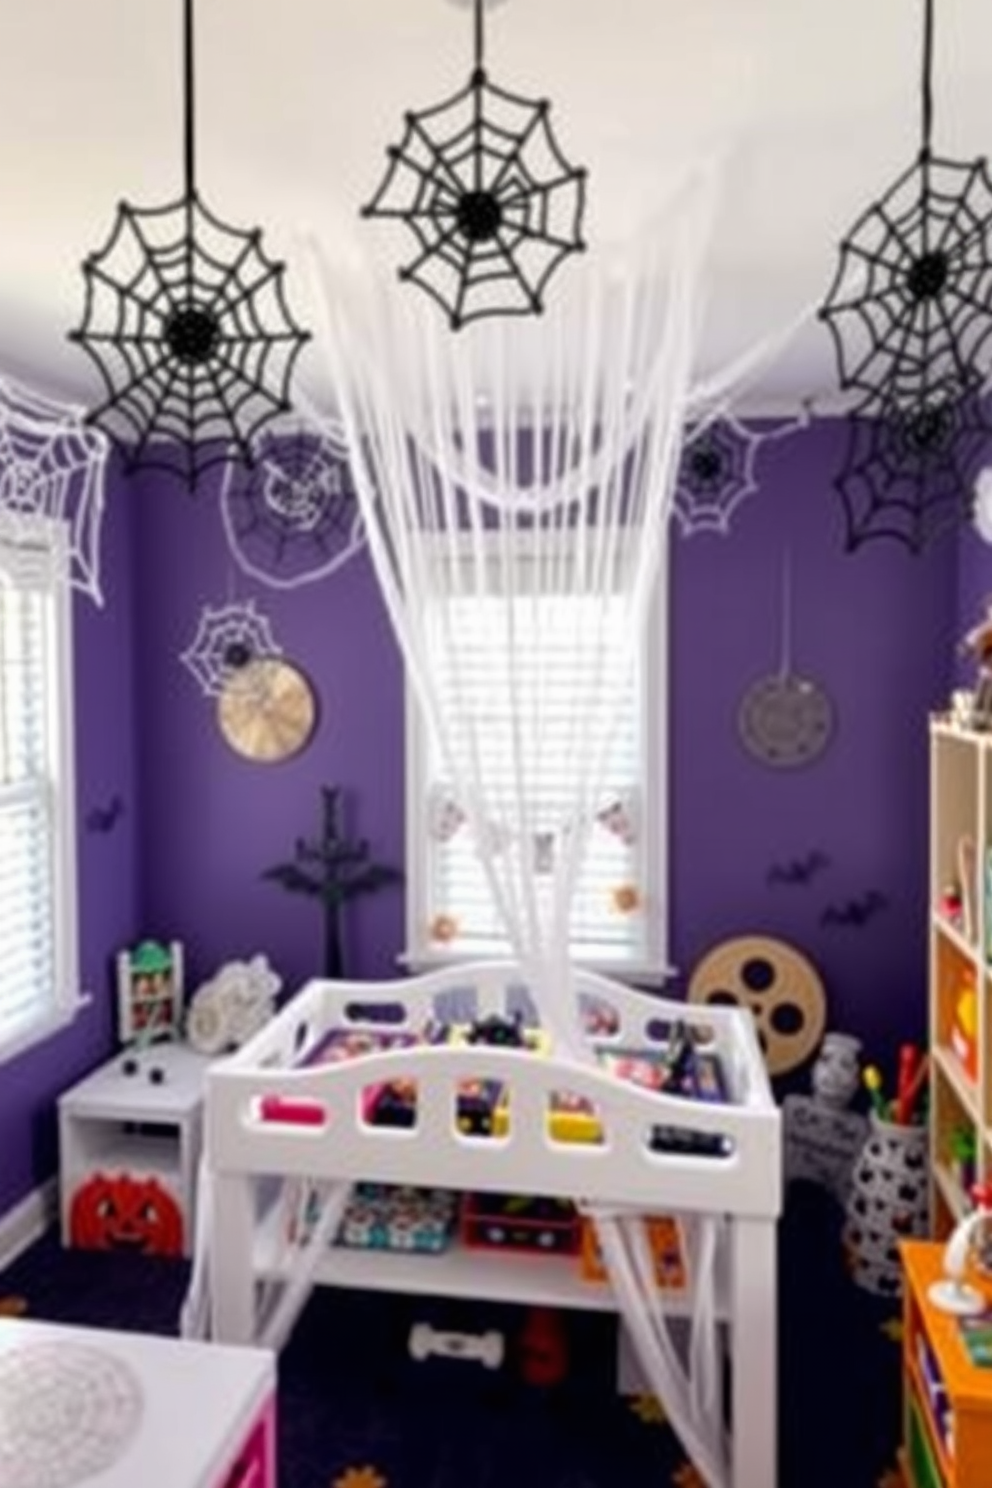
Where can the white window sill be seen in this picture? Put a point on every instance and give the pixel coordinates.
(628, 973)
(34, 1031)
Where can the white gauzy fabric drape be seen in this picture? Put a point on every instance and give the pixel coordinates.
(511, 478)
(516, 474)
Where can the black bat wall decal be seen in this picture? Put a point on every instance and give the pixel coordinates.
(105, 818)
(799, 870)
(855, 912)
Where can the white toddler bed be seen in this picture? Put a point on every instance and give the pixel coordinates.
(268, 1113)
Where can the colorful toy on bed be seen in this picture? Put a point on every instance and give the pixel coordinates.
(677, 1067)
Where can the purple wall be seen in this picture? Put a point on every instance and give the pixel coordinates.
(108, 877)
(974, 593)
(214, 821)
(876, 628)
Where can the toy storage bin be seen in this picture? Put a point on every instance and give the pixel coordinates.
(380, 1216)
(491, 1221)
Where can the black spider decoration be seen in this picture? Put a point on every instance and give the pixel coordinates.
(910, 314)
(909, 468)
(493, 204)
(187, 321)
(717, 469)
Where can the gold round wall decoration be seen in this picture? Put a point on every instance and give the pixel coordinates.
(267, 710)
(778, 983)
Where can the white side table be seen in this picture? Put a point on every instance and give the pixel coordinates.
(145, 1126)
(113, 1410)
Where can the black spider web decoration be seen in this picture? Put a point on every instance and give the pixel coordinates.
(293, 516)
(910, 314)
(494, 205)
(187, 322)
(909, 470)
(718, 470)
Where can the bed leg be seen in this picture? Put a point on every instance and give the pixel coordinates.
(754, 1352)
(232, 1282)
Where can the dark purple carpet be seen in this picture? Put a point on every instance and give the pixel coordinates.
(350, 1398)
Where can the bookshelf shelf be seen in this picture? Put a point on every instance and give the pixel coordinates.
(960, 977)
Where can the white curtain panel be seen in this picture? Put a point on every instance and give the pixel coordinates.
(512, 476)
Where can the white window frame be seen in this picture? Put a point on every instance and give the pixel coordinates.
(42, 567)
(652, 967)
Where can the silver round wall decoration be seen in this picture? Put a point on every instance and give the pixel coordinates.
(785, 720)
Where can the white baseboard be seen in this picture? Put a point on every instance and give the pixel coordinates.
(27, 1221)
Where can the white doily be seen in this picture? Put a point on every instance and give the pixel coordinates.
(66, 1413)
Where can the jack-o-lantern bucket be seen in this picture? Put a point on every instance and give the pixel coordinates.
(120, 1212)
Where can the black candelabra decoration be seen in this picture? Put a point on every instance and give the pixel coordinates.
(187, 321)
(483, 186)
(333, 870)
(910, 313)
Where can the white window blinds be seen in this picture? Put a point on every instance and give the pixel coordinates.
(37, 942)
(453, 898)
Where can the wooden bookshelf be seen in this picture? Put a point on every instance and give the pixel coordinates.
(947, 1400)
(960, 969)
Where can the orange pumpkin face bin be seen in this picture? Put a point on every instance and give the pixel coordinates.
(123, 1213)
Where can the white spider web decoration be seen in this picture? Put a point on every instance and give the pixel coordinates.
(717, 469)
(67, 1414)
(228, 639)
(293, 516)
(53, 467)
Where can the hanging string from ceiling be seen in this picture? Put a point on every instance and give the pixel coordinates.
(492, 202)
(187, 321)
(910, 313)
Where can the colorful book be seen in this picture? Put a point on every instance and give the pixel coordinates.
(976, 1335)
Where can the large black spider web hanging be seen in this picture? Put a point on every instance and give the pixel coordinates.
(483, 186)
(187, 321)
(717, 469)
(910, 314)
(293, 516)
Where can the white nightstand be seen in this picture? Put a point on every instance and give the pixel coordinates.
(112, 1410)
(143, 1126)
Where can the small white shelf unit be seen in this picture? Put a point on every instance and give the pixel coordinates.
(114, 1122)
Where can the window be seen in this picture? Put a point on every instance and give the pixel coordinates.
(38, 947)
(619, 921)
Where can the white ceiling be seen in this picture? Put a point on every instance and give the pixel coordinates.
(297, 101)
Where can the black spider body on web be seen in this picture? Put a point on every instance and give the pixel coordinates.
(186, 320)
(483, 186)
(716, 472)
(909, 467)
